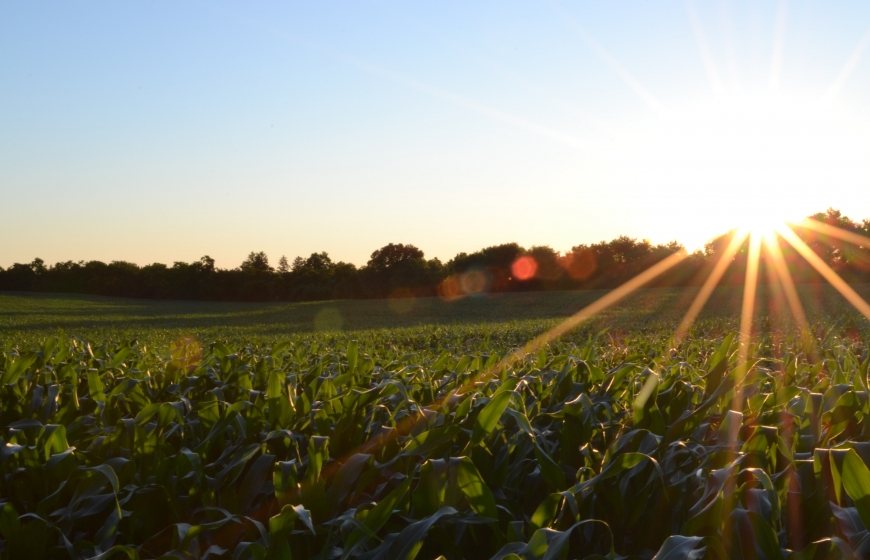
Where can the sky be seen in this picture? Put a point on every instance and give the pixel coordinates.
(165, 131)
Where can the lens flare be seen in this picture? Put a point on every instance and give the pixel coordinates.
(402, 301)
(762, 237)
(524, 268)
(580, 264)
(328, 319)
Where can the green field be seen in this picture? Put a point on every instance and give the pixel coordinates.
(392, 429)
(33, 315)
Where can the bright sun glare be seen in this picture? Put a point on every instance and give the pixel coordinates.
(749, 161)
(758, 223)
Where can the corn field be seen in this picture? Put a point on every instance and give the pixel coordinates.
(413, 443)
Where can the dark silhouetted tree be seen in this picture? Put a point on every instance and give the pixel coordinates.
(256, 262)
(396, 268)
(206, 263)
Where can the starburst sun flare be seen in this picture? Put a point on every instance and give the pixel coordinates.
(751, 160)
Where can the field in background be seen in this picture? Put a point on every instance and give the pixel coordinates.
(33, 315)
(387, 429)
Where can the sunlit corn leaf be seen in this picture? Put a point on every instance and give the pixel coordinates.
(406, 544)
(679, 547)
(856, 482)
(488, 417)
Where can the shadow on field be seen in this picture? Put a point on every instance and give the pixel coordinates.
(74, 314)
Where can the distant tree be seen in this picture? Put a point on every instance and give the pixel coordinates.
(256, 262)
(717, 245)
(548, 266)
(402, 269)
(38, 266)
(345, 280)
(435, 268)
(620, 259)
(625, 250)
(580, 264)
(154, 267)
(156, 282)
(393, 256)
(494, 261)
(394, 268)
(458, 263)
(206, 263)
(672, 247)
(312, 277)
(836, 252)
(317, 262)
(19, 277)
(502, 256)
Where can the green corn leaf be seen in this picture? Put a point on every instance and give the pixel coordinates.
(475, 489)
(856, 482)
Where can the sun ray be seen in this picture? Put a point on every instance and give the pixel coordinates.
(831, 233)
(726, 21)
(704, 49)
(709, 285)
(614, 296)
(495, 114)
(780, 270)
(747, 310)
(747, 313)
(779, 32)
(410, 83)
(609, 299)
(834, 231)
(848, 68)
(783, 278)
(595, 125)
(775, 296)
(617, 67)
(826, 271)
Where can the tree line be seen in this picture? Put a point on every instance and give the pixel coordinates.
(402, 270)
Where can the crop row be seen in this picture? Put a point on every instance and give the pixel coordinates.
(417, 445)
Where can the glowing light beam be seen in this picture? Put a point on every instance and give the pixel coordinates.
(780, 270)
(614, 296)
(778, 44)
(704, 50)
(826, 271)
(833, 231)
(709, 285)
(615, 65)
(848, 68)
(747, 312)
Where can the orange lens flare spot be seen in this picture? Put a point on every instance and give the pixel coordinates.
(402, 301)
(524, 268)
(449, 289)
(473, 282)
(580, 265)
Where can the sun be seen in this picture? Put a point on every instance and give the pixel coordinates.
(764, 222)
(752, 160)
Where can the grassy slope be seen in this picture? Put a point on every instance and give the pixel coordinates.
(34, 315)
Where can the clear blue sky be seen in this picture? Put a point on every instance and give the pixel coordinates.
(163, 131)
